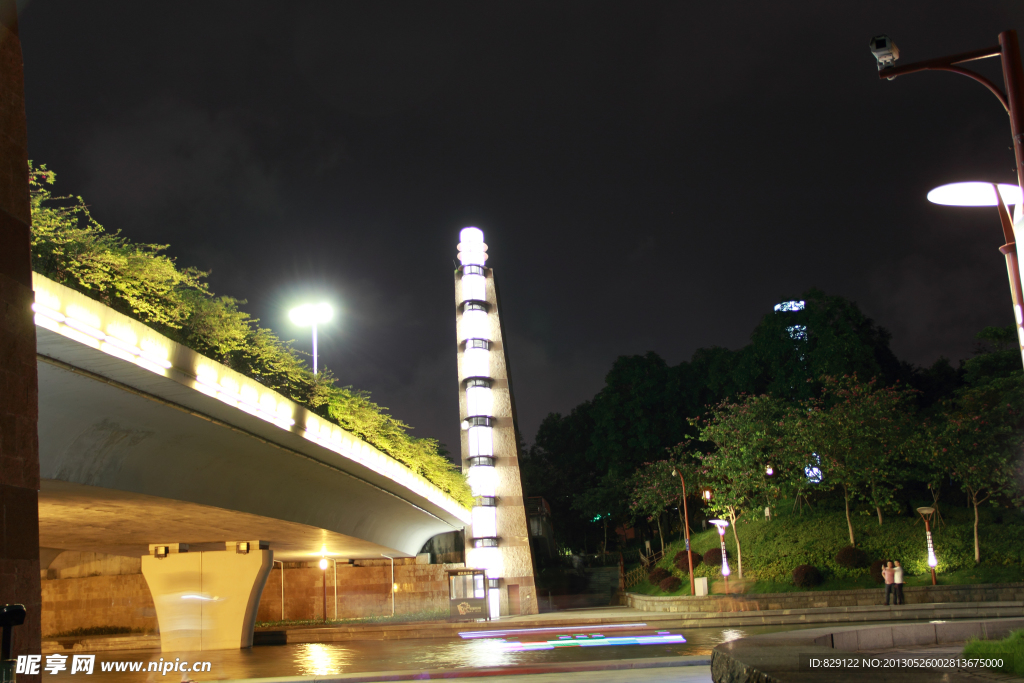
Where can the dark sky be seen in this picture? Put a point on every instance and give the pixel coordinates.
(649, 176)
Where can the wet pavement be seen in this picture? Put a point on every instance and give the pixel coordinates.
(533, 647)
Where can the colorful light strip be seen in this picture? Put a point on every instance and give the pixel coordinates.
(498, 634)
(591, 641)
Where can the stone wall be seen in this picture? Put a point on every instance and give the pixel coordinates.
(363, 591)
(19, 404)
(121, 600)
(997, 592)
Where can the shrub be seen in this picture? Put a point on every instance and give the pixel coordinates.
(658, 575)
(806, 576)
(852, 558)
(876, 571)
(670, 585)
(681, 564)
(713, 557)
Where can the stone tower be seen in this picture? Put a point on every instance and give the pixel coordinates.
(499, 539)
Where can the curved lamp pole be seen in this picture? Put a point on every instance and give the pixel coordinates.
(1008, 50)
(999, 196)
(686, 529)
(311, 315)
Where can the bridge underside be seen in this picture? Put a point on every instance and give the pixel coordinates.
(94, 519)
(130, 458)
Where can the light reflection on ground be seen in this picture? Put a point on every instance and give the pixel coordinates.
(309, 659)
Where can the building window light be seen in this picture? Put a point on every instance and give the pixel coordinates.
(479, 400)
(789, 306)
(485, 522)
(485, 542)
(481, 461)
(475, 323)
(483, 480)
(476, 362)
(486, 501)
(472, 250)
(474, 284)
(480, 441)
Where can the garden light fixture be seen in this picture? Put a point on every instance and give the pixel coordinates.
(721, 524)
(312, 315)
(926, 514)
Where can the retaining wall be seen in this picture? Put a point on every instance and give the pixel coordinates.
(750, 602)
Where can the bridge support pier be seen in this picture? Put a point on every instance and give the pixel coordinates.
(207, 600)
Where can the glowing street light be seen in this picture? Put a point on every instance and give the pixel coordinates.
(312, 315)
(926, 515)
(721, 524)
(985, 194)
(686, 529)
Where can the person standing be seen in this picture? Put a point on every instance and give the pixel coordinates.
(897, 581)
(890, 576)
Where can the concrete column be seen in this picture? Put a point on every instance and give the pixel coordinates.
(207, 600)
(19, 443)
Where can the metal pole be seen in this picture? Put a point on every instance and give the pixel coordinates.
(282, 588)
(686, 531)
(1009, 250)
(314, 348)
(335, 588)
(928, 530)
(1013, 78)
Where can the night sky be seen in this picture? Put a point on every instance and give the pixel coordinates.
(649, 176)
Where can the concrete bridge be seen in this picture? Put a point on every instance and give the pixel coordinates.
(149, 449)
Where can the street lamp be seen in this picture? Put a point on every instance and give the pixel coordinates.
(313, 315)
(926, 515)
(886, 53)
(721, 524)
(987, 194)
(686, 530)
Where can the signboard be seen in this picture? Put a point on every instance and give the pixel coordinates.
(467, 594)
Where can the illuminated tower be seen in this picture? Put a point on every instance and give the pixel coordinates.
(499, 538)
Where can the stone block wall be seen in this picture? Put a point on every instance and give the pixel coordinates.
(121, 600)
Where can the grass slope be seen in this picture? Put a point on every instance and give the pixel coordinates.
(771, 550)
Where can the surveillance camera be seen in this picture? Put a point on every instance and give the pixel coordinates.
(885, 51)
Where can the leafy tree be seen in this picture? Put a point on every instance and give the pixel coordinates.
(141, 281)
(750, 439)
(981, 443)
(653, 488)
(860, 431)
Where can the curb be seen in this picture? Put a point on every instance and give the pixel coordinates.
(483, 672)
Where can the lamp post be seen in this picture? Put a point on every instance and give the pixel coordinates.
(686, 531)
(312, 315)
(926, 515)
(721, 524)
(886, 53)
(999, 196)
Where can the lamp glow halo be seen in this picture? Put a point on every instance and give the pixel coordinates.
(974, 194)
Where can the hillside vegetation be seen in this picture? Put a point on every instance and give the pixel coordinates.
(139, 280)
(771, 550)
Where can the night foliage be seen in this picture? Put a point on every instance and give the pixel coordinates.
(139, 280)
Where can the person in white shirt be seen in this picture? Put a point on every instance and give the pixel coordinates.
(898, 583)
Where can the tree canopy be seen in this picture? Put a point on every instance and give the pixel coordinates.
(140, 280)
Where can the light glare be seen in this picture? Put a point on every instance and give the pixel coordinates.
(311, 314)
(973, 194)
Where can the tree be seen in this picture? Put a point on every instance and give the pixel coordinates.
(750, 456)
(139, 280)
(981, 442)
(859, 430)
(653, 488)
